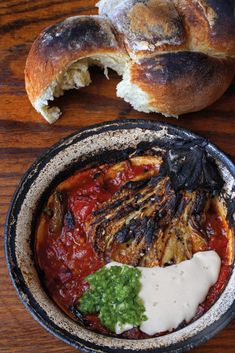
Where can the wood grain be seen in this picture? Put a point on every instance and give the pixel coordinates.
(24, 135)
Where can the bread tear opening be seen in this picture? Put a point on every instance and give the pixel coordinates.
(134, 95)
(74, 77)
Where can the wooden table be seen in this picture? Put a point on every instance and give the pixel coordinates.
(24, 135)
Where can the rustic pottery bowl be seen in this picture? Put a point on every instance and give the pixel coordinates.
(99, 142)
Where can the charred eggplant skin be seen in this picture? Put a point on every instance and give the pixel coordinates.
(190, 167)
(188, 164)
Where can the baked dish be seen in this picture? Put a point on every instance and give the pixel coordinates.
(139, 245)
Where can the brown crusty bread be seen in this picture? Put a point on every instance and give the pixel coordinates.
(175, 83)
(60, 57)
(175, 56)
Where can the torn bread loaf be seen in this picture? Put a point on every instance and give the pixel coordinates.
(60, 57)
(174, 56)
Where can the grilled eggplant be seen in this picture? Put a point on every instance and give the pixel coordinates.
(148, 223)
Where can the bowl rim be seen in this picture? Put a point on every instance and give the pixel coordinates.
(23, 291)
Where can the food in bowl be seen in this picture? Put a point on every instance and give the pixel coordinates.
(112, 143)
(138, 246)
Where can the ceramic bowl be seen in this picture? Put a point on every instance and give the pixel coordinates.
(97, 143)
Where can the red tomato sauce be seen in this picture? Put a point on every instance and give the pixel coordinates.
(66, 258)
(216, 230)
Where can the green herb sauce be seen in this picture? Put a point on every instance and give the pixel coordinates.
(114, 294)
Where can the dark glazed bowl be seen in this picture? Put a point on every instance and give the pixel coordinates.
(98, 143)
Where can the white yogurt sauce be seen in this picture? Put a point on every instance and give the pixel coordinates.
(172, 294)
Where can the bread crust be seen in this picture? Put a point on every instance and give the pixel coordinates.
(155, 26)
(64, 43)
(181, 82)
(210, 25)
(146, 26)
